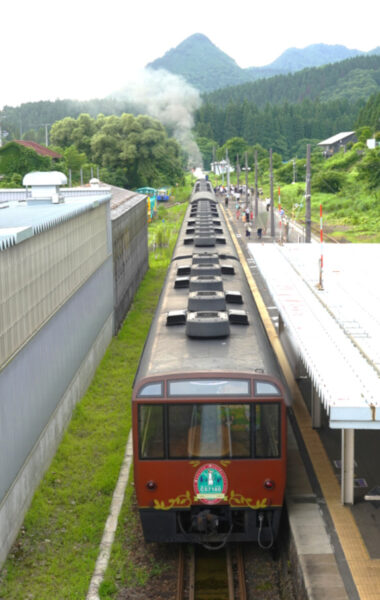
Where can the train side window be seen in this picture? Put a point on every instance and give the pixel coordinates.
(267, 430)
(266, 388)
(209, 431)
(151, 431)
(150, 390)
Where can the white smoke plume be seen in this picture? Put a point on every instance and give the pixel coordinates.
(171, 100)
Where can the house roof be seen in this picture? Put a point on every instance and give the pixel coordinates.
(42, 150)
(336, 138)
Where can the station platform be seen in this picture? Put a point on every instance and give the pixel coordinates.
(336, 546)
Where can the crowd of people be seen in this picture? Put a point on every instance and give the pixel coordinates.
(241, 197)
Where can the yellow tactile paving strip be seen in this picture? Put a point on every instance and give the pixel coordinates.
(364, 570)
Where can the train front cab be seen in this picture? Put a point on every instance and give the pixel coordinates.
(210, 458)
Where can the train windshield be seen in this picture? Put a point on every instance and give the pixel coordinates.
(209, 387)
(209, 430)
(244, 430)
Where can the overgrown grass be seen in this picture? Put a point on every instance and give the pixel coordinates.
(56, 550)
(351, 214)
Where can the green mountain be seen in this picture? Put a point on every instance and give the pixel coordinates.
(315, 55)
(350, 80)
(218, 70)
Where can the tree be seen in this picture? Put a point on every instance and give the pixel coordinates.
(73, 159)
(62, 131)
(139, 149)
(369, 168)
(206, 147)
(236, 147)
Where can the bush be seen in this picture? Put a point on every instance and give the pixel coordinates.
(344, 161)
(328, 181)
(369, 169)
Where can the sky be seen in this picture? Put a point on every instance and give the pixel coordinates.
(80, 50)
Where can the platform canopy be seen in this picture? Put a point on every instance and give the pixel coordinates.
(336, 330)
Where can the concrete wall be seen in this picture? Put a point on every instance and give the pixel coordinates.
(130, 254)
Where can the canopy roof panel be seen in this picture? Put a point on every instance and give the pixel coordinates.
(336, 330)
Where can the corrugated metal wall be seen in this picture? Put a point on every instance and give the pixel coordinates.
(130, 255)
(40, 274)
(56, 294)
(32, 385)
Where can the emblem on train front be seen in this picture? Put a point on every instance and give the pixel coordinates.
(210, 484)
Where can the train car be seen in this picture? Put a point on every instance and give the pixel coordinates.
(209, 407)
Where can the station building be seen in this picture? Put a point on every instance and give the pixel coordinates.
(62, 296)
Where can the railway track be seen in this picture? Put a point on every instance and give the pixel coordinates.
(205, 575)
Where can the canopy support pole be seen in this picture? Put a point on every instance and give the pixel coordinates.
(348, 461)
(316, 413)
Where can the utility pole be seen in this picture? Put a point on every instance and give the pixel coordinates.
(237, 171)
(228, 173)
(256, 187)
(46, 134)
(272, 230)
(308, 196)
(246, 180)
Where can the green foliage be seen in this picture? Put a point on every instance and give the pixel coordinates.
(11, 181)
(73, 159)
(369, 169)
(206, 148)
(286, 128)
(308, 84)
(328, 181)
(345, 160)
(132, 151)
(364, 133)
(30, 116)
(370, 113)
(236, 147)
(16, 159)
(291, 170)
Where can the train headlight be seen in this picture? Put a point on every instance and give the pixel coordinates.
(151, 485)
(269, 484)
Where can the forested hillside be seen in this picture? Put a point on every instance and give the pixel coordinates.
(287, 112)
(350, 79)
(286, 128)
(29, 121)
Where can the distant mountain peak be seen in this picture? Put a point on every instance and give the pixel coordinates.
(218, 70)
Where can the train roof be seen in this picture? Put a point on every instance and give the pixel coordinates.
(199, 325)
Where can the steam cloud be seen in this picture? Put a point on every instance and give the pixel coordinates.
(171, 100)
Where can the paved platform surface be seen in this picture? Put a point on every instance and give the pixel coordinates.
(338, 547)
